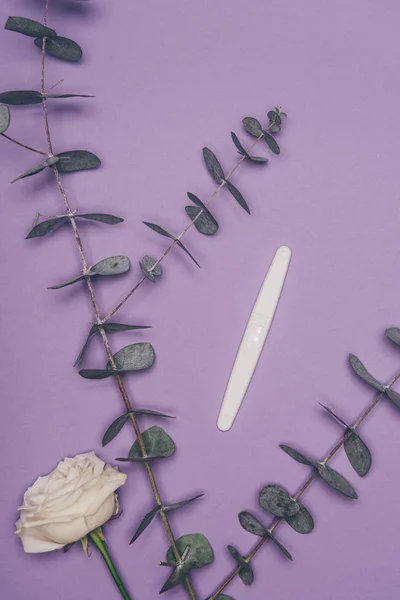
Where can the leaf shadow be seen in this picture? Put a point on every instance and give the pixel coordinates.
(67, 7)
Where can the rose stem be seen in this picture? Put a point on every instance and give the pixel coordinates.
(188, 226)
(102, 548)
(303, 488)
(106, 344)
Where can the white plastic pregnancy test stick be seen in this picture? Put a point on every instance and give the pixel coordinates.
(254, 338)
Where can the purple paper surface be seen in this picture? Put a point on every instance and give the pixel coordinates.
(170, 78)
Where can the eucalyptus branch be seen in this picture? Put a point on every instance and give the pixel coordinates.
(349, 432)
(23, 145)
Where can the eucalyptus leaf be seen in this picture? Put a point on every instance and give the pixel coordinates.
(77, 160)
(147, 519)
(333, 414)
(200, 552)
(274, 117)
(246, 572)
(251, 524)
(243, 151)
(152, 413)
(148, 268)
(297, 456)
(66, 96)
(61, 47)
(393, 333)
(393, 396)
(336, 481)
(165, 233)
(213, 166)
(237, 195)
(115, 427)
(58, 286)
(157, 442)
(279, 545)
(182, 503)
(176, 578)
(101, 218)
(113, 265)
(252, 126)
(362, 372)
(276, 500)
(97, 373)
(28, 27)
(223, 597)
(271, 142)
(203, 221)
(212, 223)
(46, 227)
(4, 118)
(21, 97)
(357, 452)
(302, 522)
(48, 162)
(134, 357)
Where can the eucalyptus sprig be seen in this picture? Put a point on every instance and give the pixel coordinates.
(191, 551)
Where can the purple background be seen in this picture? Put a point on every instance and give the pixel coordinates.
(170, 78)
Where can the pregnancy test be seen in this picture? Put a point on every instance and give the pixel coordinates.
(254, 338)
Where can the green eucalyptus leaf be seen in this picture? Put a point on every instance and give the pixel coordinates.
(297, 456)
(252, 126)
(152, 413)
(276, 500)
(243, 151)
(275, 128)
(148, 268)
(61, 47)
(182, 503)
(357, 452)
(77, 160)
(58, 286)
(28, 27)
(21, 97)
(237, 195)
(134, 357)
(213, 166)
(48, 162)
(393, 333)
(279, 545)
(4, 118)
(176, 578)
(97, 373)
(223, 597)
(274, 117)
(333, 414)
(202, 220)
(394, 397)
(113, 265)
(157, 442)
(302, 522)
(165, 233)
(200, 552)
(251, 524)
(212, 223)
(246, 572)
(66, 96)
(362, 372)
(46, 227)
(115, 427)
(146, 521)
(271, 142)
(336, 481)
(101, 218)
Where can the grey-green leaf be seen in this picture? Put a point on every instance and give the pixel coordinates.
(237, 195)
(97, 373)
(202, 220)
(213, 166)
(212, 222)
(28, 27)
(200, 552)
(362, 372)
(157, 442)
(77, 160)
(251, 524)
(246, 572)
(393, 333)
(21, 97)
(115, 427)
(176, 578)
(182, 503)
(148, 268)
(252, 126)
(276, 500)
(48, 162)
(61, 47)
(4, 118)
(336, 481)
(357, 452)
(66, 96)
(58, 286)
(243, 151)
(134, 357)
(147, 519)
(165, 233)
(302, 522)
(297, 456)
(101, 218)
(279, 545)
(271, 143)
(46, 227)
(113, 265)
(333, 414)
(394, 397)
(274, 117)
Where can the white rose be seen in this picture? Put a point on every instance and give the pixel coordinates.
(64, 506)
